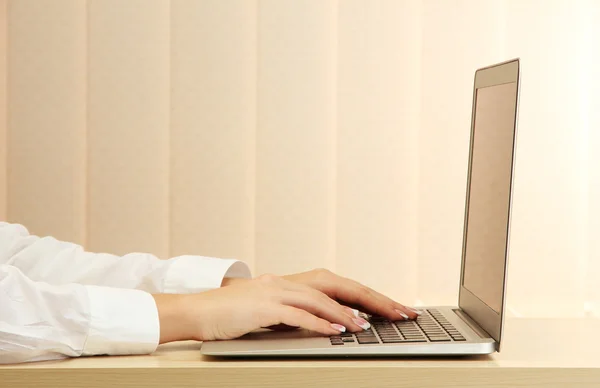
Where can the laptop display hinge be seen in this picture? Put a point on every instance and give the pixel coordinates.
(471, 323)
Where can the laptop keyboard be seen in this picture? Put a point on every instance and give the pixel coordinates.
(431, 326)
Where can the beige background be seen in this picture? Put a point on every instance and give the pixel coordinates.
(297, 134)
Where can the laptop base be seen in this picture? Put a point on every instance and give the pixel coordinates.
(303, 343)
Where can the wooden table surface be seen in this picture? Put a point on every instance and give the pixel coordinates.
(537, 353)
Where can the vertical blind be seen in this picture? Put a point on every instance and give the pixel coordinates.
(302, 134)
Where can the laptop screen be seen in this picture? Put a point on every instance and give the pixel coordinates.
(489, 193)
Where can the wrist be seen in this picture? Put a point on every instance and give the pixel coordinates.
(232, 281)
(173, 318)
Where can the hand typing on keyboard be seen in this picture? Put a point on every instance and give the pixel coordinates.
(316, 300)
(349, 293)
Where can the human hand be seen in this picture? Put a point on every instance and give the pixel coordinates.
(348, 292)
(354, 294)
(267, 301)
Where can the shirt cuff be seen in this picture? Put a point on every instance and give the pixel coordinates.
(122, 321)
(193, 274)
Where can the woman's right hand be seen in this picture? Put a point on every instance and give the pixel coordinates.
(267, 301)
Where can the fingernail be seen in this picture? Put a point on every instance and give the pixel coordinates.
(338, 327)
(418, 312)
(402, 314)
(352, 312)
(362, 323)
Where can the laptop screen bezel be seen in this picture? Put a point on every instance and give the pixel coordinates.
(489, 320)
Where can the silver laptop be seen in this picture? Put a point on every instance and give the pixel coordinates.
(475, 325)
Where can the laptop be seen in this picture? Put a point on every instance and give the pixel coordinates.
(475, 325)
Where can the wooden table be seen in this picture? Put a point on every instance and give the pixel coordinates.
(537, 353)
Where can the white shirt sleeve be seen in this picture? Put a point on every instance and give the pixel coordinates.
(56, 300)
(39, 321)
(56, 262)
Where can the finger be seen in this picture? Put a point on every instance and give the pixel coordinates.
(334, 305)
(322, 306)
(354, 293)
(351, 311)
(292, 316)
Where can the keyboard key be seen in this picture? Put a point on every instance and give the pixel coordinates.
(368, 340)
(365, 336)
(347, 339)
(439, 339)
(337, 343)
(458, 338)
(392, 340)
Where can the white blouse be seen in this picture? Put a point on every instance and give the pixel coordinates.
(57, 301)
